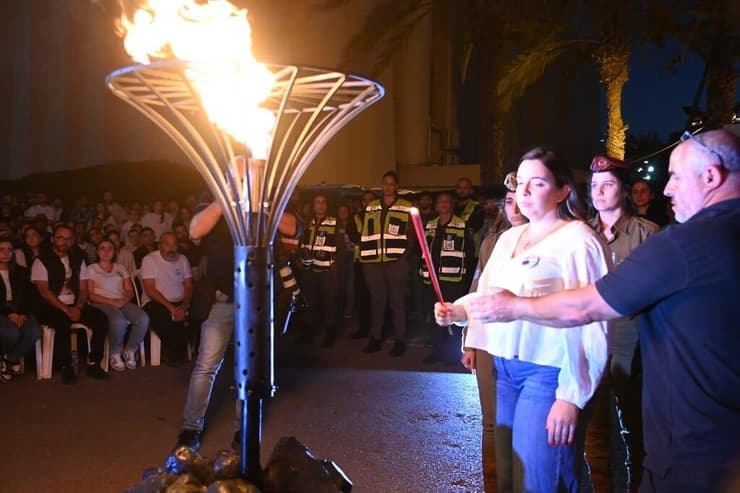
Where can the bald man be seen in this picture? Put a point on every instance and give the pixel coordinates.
(684, 282)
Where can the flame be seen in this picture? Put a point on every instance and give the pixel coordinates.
(216, 39)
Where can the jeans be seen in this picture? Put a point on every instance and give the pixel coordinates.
(16, 341)
(525, 393)
(214, 337)
(118, 320)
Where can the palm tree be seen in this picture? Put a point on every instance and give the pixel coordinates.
(490, 26)
(601, 31)
(710, 32)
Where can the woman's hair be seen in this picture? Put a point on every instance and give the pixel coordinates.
(572, 207)
(624, 177)
(110, 242)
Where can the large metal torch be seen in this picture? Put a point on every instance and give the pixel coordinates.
(309, 106)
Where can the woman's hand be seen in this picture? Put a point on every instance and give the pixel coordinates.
(447, 314)
(468, 359)
(561, 423)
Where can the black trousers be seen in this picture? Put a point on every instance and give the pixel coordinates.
(174, 335)
(446, 345)
(321, 292)
(61, 323)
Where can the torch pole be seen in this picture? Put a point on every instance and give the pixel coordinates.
(419, 228)
(253, 351)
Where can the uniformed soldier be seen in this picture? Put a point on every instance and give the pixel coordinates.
(384, 243)
(606, 448)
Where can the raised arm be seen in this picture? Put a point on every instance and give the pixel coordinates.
(569, 308)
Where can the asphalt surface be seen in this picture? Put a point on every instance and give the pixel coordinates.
(392, 424)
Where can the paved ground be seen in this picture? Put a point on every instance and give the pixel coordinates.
(391, 423)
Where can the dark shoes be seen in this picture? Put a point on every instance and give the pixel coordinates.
(95, 371)
(69, 375)
(398, 349)
(236, 442)
(189, 439)
(373, 346)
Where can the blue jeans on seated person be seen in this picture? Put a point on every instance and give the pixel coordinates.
(215, 334)
(525, 393)
(118, 319)
(16, 341)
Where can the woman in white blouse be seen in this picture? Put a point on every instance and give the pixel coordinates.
(545, 375)
(110, 290)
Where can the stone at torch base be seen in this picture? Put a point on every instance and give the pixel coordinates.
(291, 469)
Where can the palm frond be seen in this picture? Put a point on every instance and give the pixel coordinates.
(386, 25)
(528, 67)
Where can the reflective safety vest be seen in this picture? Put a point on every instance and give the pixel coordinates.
(318, 244)
(468, 210)
(383, 239)
(450, 263)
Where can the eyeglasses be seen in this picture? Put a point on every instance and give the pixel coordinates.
(688, 135)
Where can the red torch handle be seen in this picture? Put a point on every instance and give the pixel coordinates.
(419, 228)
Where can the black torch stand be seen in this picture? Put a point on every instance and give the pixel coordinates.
(253, 351)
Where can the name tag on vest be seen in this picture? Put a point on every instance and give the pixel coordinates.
(448, 245)
(393, 229)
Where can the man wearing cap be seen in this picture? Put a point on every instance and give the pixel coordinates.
(683, 281)
(613, 456)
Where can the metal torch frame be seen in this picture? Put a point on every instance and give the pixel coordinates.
(311, 105)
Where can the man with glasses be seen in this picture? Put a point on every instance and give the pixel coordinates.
(57, 274)
(683, 281)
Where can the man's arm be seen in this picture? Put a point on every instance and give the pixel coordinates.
(570, 308)
(49, 296)
(204, 221)
(153, 293)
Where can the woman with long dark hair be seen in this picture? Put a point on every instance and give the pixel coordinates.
(545, 376)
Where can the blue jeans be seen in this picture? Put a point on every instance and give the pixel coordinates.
(16, 341)
(118, 320)
(214, 337)
(525, 392)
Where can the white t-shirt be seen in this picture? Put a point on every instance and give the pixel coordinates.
(158, 223)
(126, 259)
(571, 257)
(108, 284)
(38, 210)
(5, 275)
(66, 296)
(169, 277)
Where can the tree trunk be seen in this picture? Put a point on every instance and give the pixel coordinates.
(613, 59)
(721, 83)
(489, 47)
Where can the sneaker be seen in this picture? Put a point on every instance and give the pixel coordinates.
(398, 349)
(130, 359)
(69, 375)
(95, 371)
(10, 367)
(116, 362)
(373, 346)
(189, 439)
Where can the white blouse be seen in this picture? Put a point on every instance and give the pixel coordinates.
(570, 257)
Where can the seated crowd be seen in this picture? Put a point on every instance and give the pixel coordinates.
(61, 266)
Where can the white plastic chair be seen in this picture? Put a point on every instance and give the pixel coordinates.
(47, 348)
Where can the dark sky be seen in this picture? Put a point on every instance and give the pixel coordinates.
(654, 98)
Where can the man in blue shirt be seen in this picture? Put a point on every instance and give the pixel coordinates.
(685, 283)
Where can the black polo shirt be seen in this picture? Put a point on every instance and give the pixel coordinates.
(683, 281)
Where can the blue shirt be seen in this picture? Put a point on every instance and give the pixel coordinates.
(683, 281)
